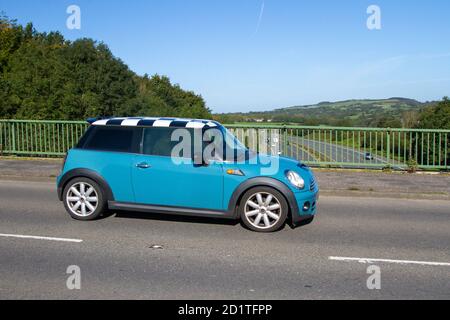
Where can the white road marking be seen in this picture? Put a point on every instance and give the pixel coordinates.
(370, 260)
(39, 238)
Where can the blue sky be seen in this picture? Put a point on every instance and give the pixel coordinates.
(243, 55)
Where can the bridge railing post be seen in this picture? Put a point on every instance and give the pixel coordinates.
(13, 138)
(388, 146)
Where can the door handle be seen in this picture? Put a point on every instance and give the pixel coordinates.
(143, 165)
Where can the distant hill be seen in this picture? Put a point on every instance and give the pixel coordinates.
(366, 112)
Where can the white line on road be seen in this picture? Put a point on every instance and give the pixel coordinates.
(370, 260)
(39, 238)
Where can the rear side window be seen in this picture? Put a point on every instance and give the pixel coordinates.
(115, 139)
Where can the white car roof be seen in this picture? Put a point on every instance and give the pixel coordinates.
(155, 122)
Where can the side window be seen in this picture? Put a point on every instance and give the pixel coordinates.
(116, 139)
(214, 143)
(158, 141)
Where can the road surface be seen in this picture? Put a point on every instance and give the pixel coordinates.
(137, 256)
(313, 150)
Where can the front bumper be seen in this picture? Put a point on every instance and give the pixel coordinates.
(307, 205)
(59, 187)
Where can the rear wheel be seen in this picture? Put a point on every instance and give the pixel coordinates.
(83, 199)
(263, 209)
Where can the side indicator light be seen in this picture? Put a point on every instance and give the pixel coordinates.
(234, 172)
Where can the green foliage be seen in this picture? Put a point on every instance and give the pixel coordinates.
(388, 122)
(436, 117)
(157, 96)
(44, 76)
(412, 165)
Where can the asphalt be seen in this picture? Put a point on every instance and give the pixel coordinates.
(331, 152)
(313, 150)
(211, 259)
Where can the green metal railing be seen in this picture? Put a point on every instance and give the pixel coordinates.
(352, 147)
(39, 138)
(321, 146)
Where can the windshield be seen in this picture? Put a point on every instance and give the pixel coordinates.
(231, 149)
(232, 142)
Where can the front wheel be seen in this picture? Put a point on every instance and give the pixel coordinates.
(83, 199)
(263, 209)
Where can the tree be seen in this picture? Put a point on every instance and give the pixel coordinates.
(44, 76)
(410, 119)
(436, 117)
(388, 122)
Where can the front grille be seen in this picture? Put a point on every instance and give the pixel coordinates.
(312, 186)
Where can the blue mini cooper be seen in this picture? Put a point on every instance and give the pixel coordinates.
(185, 167)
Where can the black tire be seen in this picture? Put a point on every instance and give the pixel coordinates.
(99, 205)
(249, 222)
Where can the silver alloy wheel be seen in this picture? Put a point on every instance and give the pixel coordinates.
(263, 210)
(82, 199)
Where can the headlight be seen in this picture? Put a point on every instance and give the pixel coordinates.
(295, 179)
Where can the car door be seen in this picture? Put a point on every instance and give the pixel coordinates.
(164, 180)
(109, 151)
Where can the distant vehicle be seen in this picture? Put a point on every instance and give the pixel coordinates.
(369, 156)
(127, 164)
